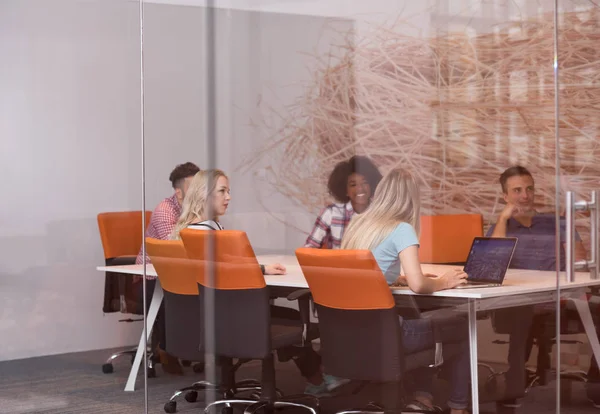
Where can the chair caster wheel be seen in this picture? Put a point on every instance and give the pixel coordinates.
(198, 368)
(171, 407)
(152, 373)
(107, 368)
(191, 396)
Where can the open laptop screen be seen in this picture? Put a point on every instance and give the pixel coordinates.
(489, 259)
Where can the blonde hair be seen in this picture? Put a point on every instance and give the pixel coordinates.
(396, 200)
(196, 207)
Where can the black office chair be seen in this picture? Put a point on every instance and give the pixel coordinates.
(360, 331)
(243, 328)
(184, 335)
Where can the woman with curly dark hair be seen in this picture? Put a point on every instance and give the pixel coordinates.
(352, 184)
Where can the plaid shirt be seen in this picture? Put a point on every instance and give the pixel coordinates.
(162, 222)
(329, 226)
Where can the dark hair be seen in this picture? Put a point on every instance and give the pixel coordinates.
(338, 179)
(181, 172)
(517, 170)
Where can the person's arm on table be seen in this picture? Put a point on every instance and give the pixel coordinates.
(273, 269)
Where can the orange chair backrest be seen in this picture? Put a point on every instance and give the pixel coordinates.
(227, 259)
(448, 238)
(121, 232)
(345, 279)
(177, 273)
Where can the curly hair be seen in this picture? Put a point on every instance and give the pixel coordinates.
(338, 179)
(181, 172)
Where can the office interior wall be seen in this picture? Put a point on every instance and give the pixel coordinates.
(71, 111)
(70, 130)
(71, 148)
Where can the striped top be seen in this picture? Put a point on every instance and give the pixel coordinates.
(206, 225)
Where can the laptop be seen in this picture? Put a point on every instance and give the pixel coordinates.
(488, 261)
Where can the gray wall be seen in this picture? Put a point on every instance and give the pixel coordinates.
(70, 131)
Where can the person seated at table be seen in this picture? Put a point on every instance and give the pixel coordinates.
(351, 183)
(207, 199)
(390, 228)
(167, 212)
(162, 222)
(535, 250)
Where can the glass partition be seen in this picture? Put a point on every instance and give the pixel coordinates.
(576, 142)
(71, 166)
(456, 95)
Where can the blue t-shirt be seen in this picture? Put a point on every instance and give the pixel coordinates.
(536, 244)
(386, 253)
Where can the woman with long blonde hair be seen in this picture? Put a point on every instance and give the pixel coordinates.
(206, 200)
(208, 185)
(389, 228)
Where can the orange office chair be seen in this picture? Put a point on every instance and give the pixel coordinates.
(361, 333)
(244, 326)
(447, 238)
(121, 236)
(184, 337)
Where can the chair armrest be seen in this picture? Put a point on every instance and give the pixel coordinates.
(297, 294)
(303, 296)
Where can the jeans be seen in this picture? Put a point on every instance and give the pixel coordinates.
(417, 335)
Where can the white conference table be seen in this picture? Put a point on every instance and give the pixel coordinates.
(520, 288)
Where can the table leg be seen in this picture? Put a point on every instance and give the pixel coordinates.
(473, 355)
(583, 309)
(157, 298)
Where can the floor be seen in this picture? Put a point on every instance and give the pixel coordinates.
(74, 383)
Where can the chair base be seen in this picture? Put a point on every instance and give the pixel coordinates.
(191, 393)
(108, 367)
(535, 378)
(253, 406)
(374, 408)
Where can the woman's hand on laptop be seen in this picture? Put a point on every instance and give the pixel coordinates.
(453, 278)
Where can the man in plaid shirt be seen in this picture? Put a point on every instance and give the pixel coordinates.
(165, 215)
(162, 222)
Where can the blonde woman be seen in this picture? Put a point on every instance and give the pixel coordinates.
(390, 228)
(206, 200)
